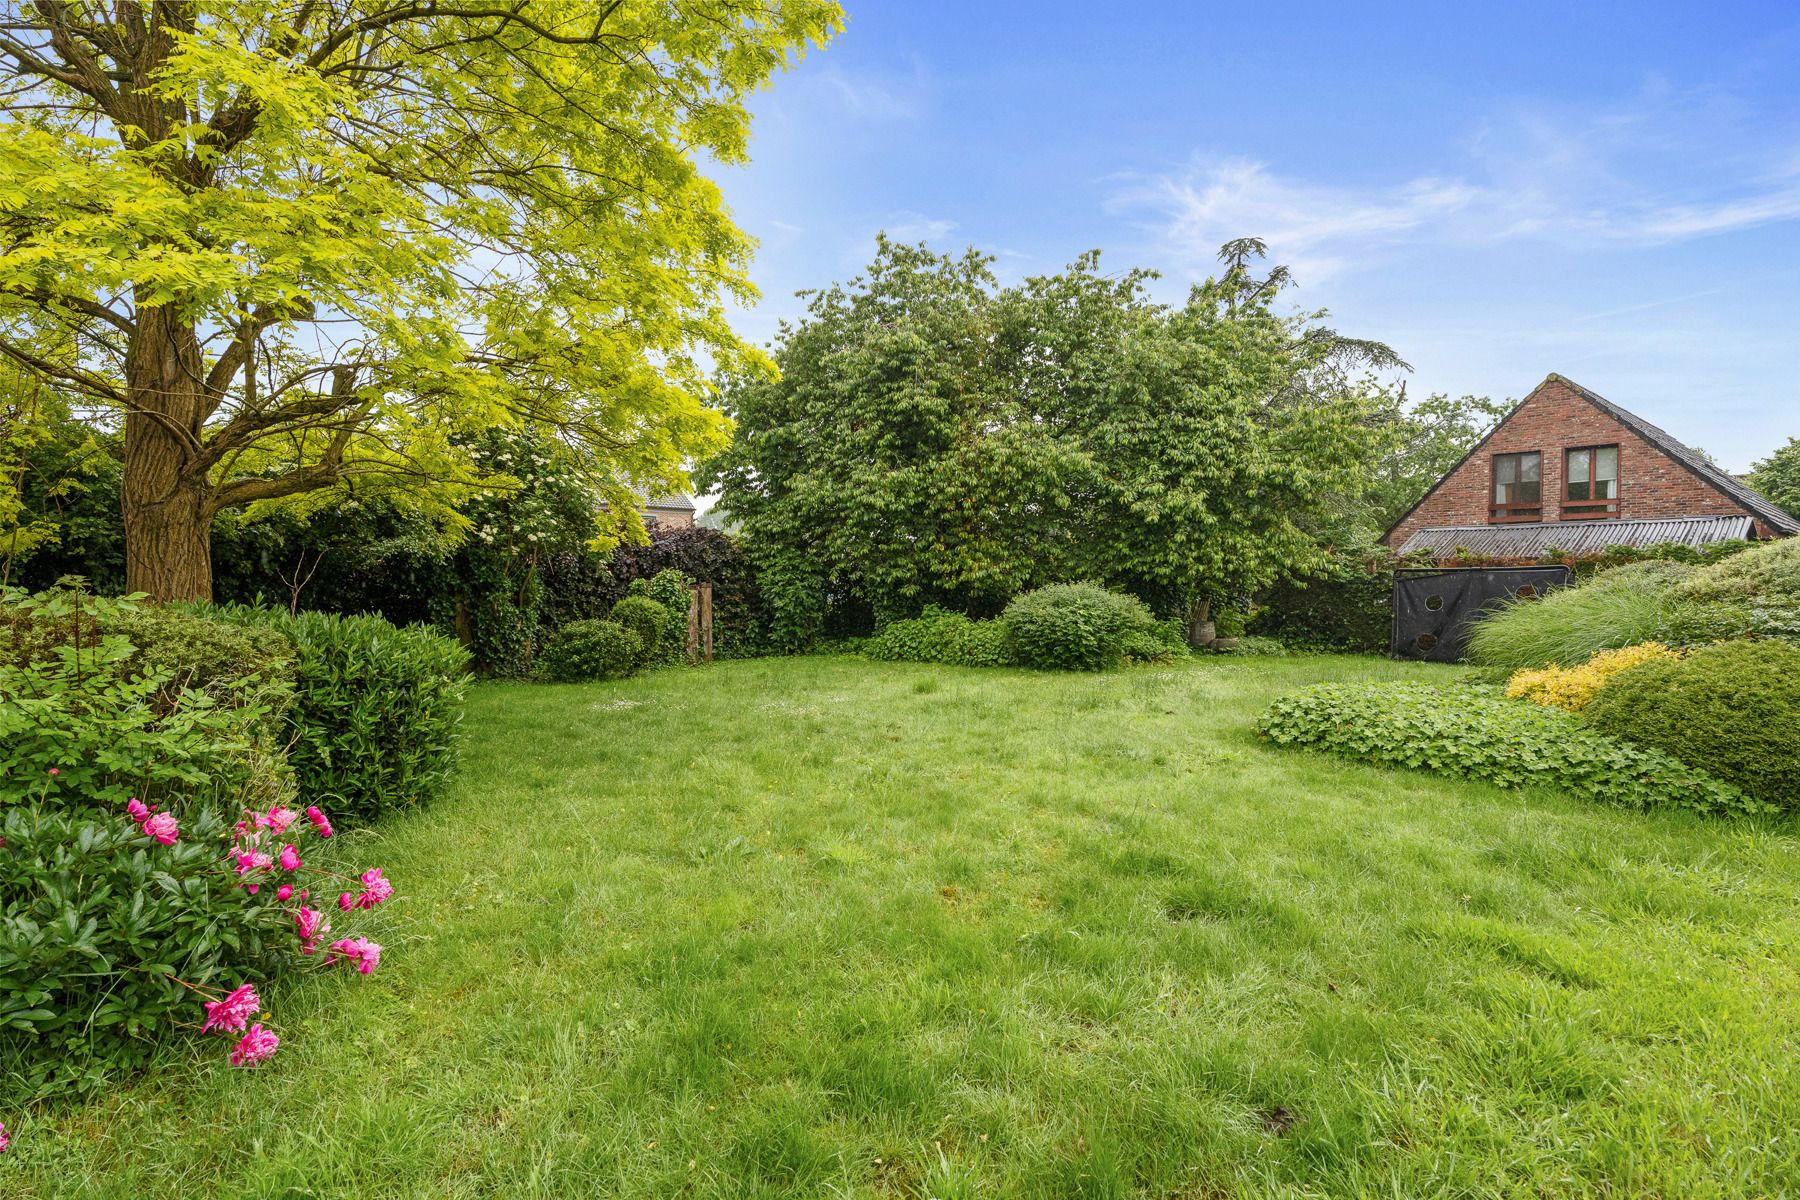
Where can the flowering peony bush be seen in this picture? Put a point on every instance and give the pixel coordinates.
(122, 932)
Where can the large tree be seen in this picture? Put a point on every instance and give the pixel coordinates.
(1778, 477)
(303, 246)
(935, 437)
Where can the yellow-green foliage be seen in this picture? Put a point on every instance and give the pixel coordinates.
(1572, 688)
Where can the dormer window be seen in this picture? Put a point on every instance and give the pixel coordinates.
(1591, 482)
(1517, 494)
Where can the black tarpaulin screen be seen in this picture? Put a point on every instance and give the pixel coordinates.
(1433, 608)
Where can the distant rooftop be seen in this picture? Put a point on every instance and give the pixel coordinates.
(1574, 537)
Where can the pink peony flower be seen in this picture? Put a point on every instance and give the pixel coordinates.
(135, 808)
(257, 1046)
(376, 889)
(362, 951)
(252, 860)
(318, 819)
(290, 858)
(312, 923)
(233, 1011)
(55, 771)
(346, 902)
(163, 828)
(277, 819)
(4, 1140)
(284, 892)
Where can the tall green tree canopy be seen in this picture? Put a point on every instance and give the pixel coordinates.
(935, 437)
(1778, 477)
(308, 245)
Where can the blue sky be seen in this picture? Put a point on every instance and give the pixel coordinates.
(1610, 191)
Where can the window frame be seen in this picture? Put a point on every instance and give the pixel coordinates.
(1591, 509)
(1514, 513)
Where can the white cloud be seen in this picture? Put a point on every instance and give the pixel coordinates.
(917, 227)
(1659, 171)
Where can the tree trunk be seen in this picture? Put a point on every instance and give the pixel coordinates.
(167, 511)
(1201, 631)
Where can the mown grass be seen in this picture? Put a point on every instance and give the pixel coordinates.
(836, 928)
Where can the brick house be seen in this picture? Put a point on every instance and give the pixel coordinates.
(1567, 469)
(668, 512)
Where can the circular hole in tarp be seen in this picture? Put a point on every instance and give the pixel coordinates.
(1527, 592)
(1434, 602)
(1427, 640)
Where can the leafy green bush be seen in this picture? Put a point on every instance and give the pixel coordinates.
(1073, 627)
(1478, 735)
(377, 709)
(1732, 709)
(671, 589)
(1755, 593)
(97, 917)
(1163, 642)
(939, 636)
(1621, 607)
(586, 650)
(648, 621)
(89, 719)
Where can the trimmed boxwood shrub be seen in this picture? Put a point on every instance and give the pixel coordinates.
(1755, 593)
(1476, 734)
(1073, 627)
(587, 650)
(1732, 709)
(646, 619)
(377, 710)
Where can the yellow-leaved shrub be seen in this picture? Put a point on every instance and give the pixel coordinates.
(1572, 688)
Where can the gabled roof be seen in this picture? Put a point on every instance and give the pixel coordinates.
(1581, 538)
(1752, 500)
(677, 503)
(1692, 459)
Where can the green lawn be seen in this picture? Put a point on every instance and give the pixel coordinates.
(827, 927)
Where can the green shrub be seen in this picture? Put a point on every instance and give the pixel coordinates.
(940, 636)
(648, 621)
(1768, 573)
(377, 710)
(83, 730)
(1475, 734)
(1732, 709)
(1164, 642)
(1258, 647)
(1072, 627)
(97, 916)
(672, 589)
(587, 650)
(1754, 593)
(1620, 607)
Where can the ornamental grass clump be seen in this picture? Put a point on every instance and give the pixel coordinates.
(1621, 607)
(1573, 688)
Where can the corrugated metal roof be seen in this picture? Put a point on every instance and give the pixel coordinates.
(1575, 537)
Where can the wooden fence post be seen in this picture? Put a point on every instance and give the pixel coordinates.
(706, 618)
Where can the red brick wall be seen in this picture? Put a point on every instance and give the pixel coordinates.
(1552, 419)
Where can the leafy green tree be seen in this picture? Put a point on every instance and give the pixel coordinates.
(300, 247)
(935, 438)
(1778, 477)
(895, 462)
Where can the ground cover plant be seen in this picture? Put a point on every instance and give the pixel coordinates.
(824, 926)
(1476, 734)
